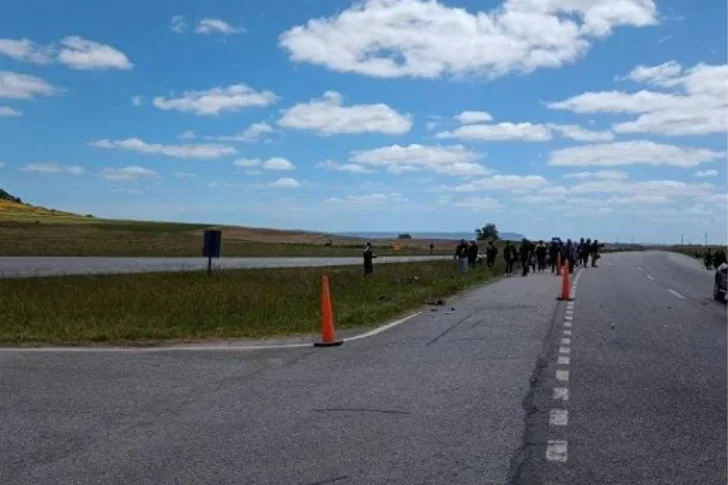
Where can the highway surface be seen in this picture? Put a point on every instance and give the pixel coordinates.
(17, 266)
(624, 385)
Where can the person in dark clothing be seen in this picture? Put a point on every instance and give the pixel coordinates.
(490, 253)
(472, 254)
(580, 252)
(585, 253)
(553, 252)
(509, 255)
(541, 256)
(368, 259)
(461, 255)
(708, 259)
(719, 258)
(525, 256)
(569, 255)
(595, 252)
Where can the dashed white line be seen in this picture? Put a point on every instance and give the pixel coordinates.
(565, 341)
(567, 324)
(559, 417)
(650, 277)
(561, 393)
(557, 450)
(564, 350)
(567, 333)
(568, 317)
(569, 312)
(675, 293)
(563, 360)
(562, 375)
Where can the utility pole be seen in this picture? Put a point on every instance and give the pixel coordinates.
(706, 239)
(682, 238)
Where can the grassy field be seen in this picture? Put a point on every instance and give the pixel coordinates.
(34, 231)
(228, 304)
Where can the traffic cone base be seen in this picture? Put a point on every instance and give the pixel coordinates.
(335, 343)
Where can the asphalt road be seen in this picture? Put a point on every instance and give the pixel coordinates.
(16, 266)
(463, 396)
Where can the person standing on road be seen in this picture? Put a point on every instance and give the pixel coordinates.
(569, 255)
(541, 256)
(708, 259)
(509, 256)
(595, 252)
(461, 255)
(553, 254)
(525, 256)
(368, 259)
(432, 248)
(585, 252)
(490, 254)
(472, 254)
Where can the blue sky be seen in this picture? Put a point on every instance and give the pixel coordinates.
(594, 118)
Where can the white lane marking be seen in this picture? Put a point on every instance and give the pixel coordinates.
(225, 347)
(570, 305)
(567, 324)
(559, 417)
(561, 393)
(568, 317)
(569, 312)
(381, 329)
(650, 277)
(567, 333)
(557, 450)
(564, 350)
(563, 360)
(565, 341)
(676, 293)
(562, 375)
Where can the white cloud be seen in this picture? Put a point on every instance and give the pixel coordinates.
(178, 24)
(52, 167)
(26, 50)
(665, 188)
(697, 105)
(252, 133)
(470, 117)
(87, 55)
(479, 204)
(343, 167)
(377, 199)
(499, 132)
(418, 38)
(187, 135)
(8, 112)
(202, 151)
(184, 175)
(576, 132)
(209, 26)
(327, 116)
(450, 160)
(285, 183)
(706, 173)
(23, 86)
(275, 163)
(212, 102)
(541, 198)
(640, 152)
(128, 173)
(602, 174)
(126, 191)
(514, 183)
(636, 200)
(138, 100)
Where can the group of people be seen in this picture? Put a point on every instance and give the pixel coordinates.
(713, 260)
(536, 256)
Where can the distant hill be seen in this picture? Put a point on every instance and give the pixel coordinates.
(511, 236)
(4, 195)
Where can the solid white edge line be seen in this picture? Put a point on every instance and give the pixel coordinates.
(201, 348)
(675, 293)
(650, 277)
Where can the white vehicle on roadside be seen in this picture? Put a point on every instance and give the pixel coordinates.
(719, 285)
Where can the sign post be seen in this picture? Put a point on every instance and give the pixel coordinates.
(211, 246)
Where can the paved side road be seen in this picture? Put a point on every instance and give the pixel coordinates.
(52, 266)
(437, 400)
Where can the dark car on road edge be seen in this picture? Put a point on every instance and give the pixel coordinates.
(719, 286)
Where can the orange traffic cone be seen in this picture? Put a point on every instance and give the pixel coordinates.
(565, 294)
(328, 334)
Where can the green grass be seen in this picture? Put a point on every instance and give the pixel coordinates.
(228, 304)
(153, 239)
